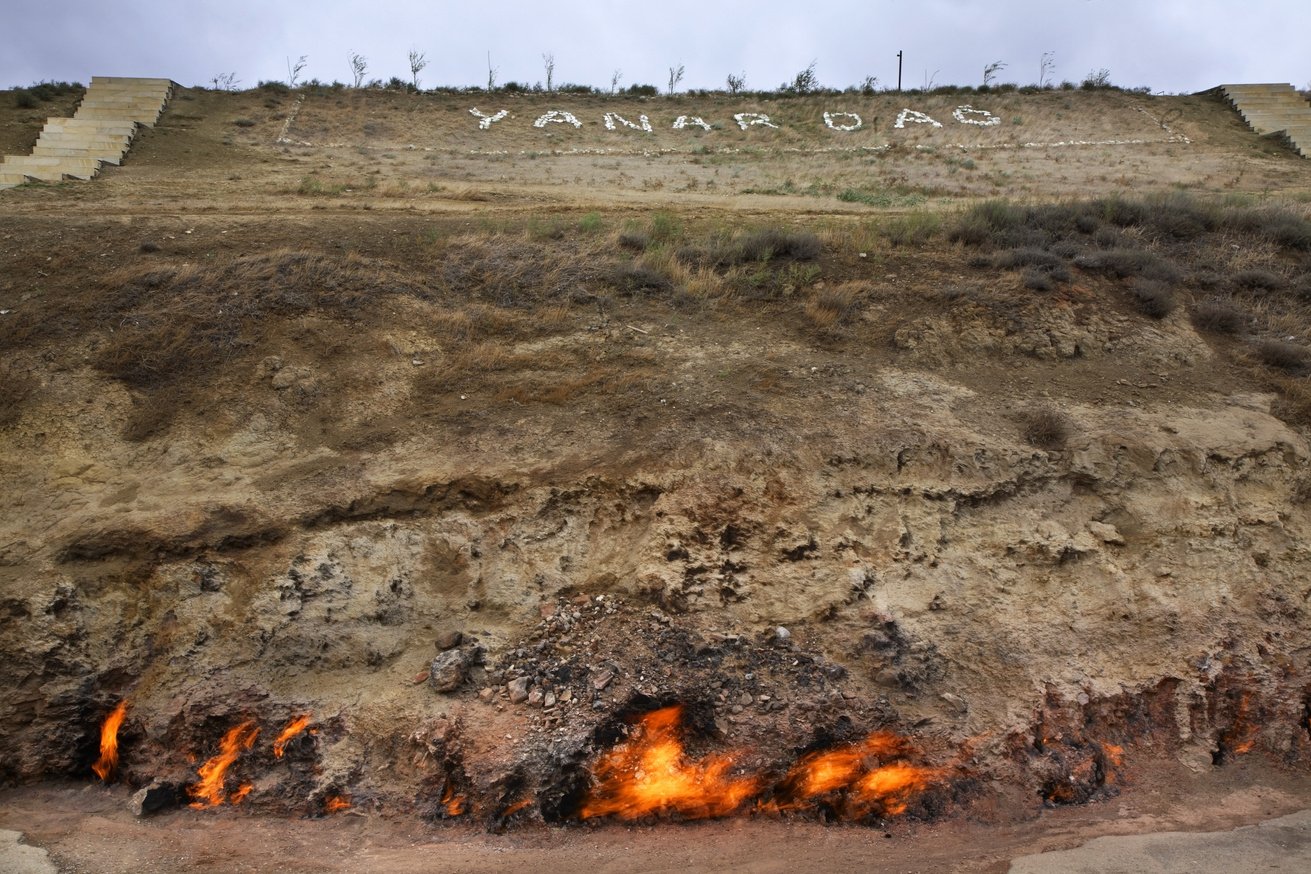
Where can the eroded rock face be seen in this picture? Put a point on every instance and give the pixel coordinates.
(904, 558)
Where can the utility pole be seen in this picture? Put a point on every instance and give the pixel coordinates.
(899, 71)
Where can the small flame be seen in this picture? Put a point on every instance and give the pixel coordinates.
(516, 807)
(453, 803)
(209, 791)
(337, 803)
(649, 774)
(890, 788)
(108, 760)
(240, 794)
(858, 772)
(295, 727)
(1114, 754)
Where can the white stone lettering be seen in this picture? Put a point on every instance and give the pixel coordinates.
(970, 115)
(915, 116)
(611, 118)
(486, 121)
(855, 124)
(747, 119)
(694, 120)
(557, 116)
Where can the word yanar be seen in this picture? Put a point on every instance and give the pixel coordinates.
(836, 121)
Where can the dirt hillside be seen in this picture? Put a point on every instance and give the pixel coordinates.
(981, 448)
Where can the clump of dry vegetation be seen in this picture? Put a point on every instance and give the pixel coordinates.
(1046, 427)
(832, 305)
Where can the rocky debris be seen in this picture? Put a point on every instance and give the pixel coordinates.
(518, 689)
(1106, 533)
(602, 679)
(448, 640)
(450, 669)
(153, 798)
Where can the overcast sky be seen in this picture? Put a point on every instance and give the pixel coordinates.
(1168, 45)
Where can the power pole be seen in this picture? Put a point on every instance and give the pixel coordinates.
(898, 71)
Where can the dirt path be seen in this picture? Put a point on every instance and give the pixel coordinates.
(88, 829)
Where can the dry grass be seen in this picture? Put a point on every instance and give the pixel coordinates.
(1219, 317)
(834, 305)
(1046, 428)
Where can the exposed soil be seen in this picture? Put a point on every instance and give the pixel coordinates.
(477, 451)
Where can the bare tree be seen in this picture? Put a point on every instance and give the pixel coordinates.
(736, 83)
(675, 76)
(491, 74)
(294, 70)
(226, 82)
(869, 85)
(1046, 66)
(548, 60)
(417, 63)
(614, 81)
(806, 81)
(990, 72)
(359, 67)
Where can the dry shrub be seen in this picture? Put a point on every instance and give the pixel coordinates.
(1046, 428)
(1218, 317)
(1292, 358)
(176, 323)
(1258, 280)
(834, 305)
(1153, 299)
(1123, 263)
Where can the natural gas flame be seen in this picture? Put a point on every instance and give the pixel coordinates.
(453, 803)
(295, 727)
(240, 793)
(861, 773)
(890, 788)
(1114, 754)
(649, 774)
(337, 803)
(108, 760)
(209, 791)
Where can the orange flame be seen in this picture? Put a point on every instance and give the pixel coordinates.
(209, 791)
(649, 775)
(295, 727)
(856, 771)
(337, 803)
(108, 760)
(454, 804)
(890, 788)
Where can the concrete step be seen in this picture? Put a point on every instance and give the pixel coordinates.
(118, 126)
(11, 179)
(130, 80)
(120, 102)
(79, 140)
(147, 118)
(107, 156)
(51, 169)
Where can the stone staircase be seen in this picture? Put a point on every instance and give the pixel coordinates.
(1274, 110)
(100, 132)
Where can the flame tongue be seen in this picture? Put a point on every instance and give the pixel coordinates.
(650, 774)
(108, 760)
(209, 791)
(862, 773)
(295, 727)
